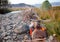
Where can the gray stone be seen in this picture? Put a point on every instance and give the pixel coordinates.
(11, 22)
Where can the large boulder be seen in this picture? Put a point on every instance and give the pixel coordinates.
(10, 24)
(15, 25)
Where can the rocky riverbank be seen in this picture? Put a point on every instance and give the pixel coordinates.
(11, 21)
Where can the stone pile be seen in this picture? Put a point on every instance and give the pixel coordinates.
(12, 27)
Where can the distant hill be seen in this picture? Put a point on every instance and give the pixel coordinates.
(53, 4)
(37, 5)
(21, 5)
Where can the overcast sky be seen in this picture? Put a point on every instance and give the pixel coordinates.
(31, 2)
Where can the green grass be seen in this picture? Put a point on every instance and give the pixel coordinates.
(54, 25)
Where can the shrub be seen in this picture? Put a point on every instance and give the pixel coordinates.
(3, 11)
